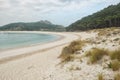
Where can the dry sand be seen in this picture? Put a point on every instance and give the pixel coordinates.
(35, 62)
(40, 62)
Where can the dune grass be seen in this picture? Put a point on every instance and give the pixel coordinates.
(114, 65)
(74, 68)
(115, 55)
(68, 51)
(117, 77)
(107, 31)
(102, 32)
(96, 54)
(100, 76)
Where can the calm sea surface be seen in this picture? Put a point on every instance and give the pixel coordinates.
(12, 40)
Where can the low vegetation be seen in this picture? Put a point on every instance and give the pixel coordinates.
(115, 54)
(115, 65)
(69, 51)
(74, 68)
(102, 32)
(117, 77)
(100, 76)
(96, 54)
(105, 56)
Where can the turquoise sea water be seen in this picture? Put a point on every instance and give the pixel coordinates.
(12, 40)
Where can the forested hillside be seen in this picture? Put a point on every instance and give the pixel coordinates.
(32, 26)
(108, 17)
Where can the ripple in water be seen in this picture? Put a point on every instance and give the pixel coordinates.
(11, 40)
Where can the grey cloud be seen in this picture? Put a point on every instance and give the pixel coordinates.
(4, 5)
(66, 0)
(29, 9)
(35, 5)
(43, 7)
(1, 2)
(14, 3)
(48, 4)
(69, 1)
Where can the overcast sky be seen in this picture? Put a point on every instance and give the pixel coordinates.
(62, 12)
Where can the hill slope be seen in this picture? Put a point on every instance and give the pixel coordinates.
(32, 26)
(108, 17)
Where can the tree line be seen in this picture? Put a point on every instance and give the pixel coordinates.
(108, 17)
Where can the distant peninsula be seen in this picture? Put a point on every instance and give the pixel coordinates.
(32, 26)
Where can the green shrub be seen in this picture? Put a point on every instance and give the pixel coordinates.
(96, 54)
(117, 77)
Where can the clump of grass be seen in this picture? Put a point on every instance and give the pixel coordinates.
(96, 54)
(100, 76)
(107, 31)
(115, 55)
(116, 39)
(115, 65)
(68, 58)
(74, 68)
(102, 32)
(76, 45)
(117, 77)
(68, 51)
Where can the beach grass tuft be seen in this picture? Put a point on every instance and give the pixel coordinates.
(117, 76)
(115, 54)
(68, 51)
(96, 54)
(100, 76)
(115, 65)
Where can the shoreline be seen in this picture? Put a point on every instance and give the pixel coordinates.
(44, 62)
(21, 52)
(36, 44)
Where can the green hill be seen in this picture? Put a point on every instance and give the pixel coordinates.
(108, 17)
(32, 26)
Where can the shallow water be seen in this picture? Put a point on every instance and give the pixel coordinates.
(12, 40)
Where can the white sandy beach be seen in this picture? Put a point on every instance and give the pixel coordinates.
(41, 62)
(33, 62)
